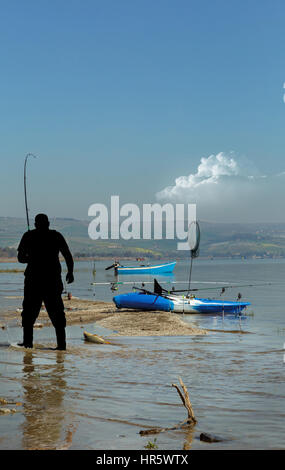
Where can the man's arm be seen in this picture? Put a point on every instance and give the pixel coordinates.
(23, 256)
(68, 259)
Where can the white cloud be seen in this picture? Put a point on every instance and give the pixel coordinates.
(228, 188)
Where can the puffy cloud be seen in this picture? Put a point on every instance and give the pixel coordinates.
(209, 171)
(228, 188)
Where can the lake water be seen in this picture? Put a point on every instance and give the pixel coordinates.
(101, 396)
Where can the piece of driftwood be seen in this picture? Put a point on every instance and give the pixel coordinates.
(189, 422)
(186, 401)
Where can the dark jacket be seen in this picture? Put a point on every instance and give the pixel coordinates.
(40, 249)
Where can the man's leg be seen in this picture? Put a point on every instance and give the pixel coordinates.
(55, 308)
(31, 307)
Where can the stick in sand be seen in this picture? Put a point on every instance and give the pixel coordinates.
(189, 422)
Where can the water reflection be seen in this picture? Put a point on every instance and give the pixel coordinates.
(44, 387)
(188, 438)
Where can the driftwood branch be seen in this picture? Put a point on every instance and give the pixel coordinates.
(186, 401)
(189, 422)
(145, 432)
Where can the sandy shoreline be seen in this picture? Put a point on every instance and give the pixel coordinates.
(124, 322)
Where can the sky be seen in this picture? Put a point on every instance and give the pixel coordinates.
(154, 101)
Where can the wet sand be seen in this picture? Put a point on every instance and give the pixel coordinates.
(124, 322)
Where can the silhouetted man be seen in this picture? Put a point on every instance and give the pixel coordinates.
(40, 249)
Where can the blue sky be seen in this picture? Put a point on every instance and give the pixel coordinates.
(123, 97)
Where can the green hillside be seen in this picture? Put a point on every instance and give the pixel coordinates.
(217, 240)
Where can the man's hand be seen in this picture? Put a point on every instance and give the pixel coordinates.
(69, 278)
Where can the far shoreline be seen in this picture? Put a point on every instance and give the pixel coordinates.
(155, 260)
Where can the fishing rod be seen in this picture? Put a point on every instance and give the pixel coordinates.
(120, 282)
(159, 290)
(25, 186)
(232, 286)
(194, 242)
(106, 283)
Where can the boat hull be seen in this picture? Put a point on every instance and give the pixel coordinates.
(207, 306)
(158, 269)
(142, 301)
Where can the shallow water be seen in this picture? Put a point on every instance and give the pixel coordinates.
(101, 396)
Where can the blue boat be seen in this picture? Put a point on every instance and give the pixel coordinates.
(163, 268)
(176, 303)
(141, 301)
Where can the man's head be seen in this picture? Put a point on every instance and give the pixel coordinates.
(41, 222)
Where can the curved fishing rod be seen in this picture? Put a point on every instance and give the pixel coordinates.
(25, 186)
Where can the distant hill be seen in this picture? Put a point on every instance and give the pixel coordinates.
(217, 240)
